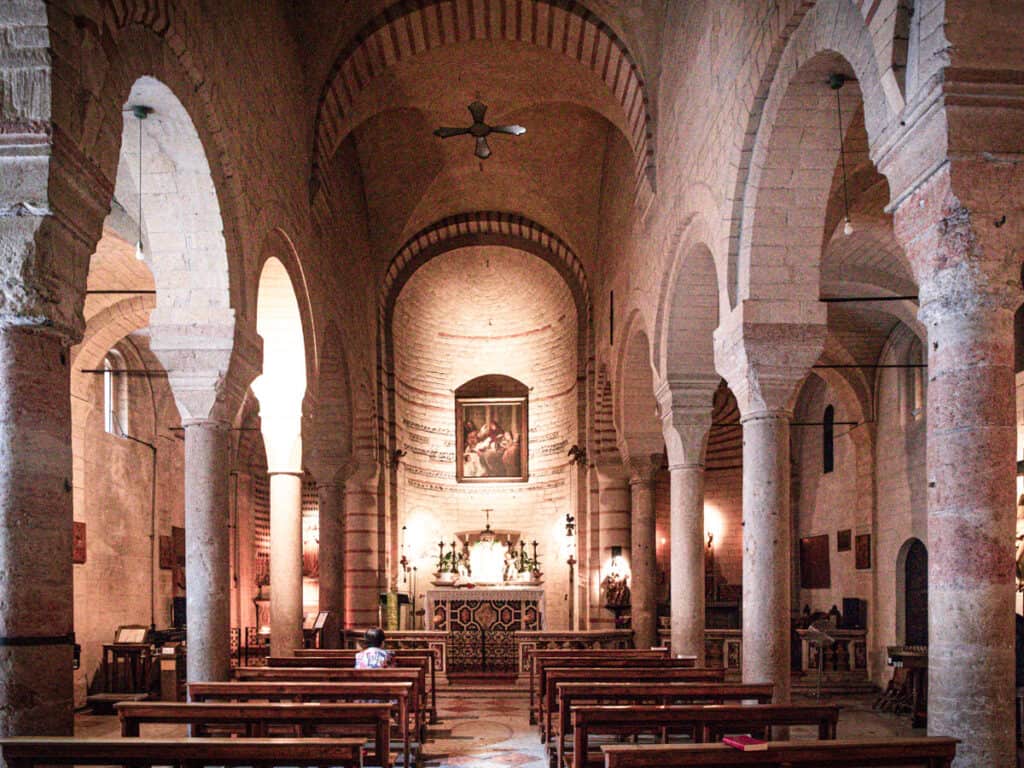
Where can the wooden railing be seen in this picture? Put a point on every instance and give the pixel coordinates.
(583, 640)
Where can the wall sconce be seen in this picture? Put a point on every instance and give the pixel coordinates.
(397, 456)
(578, 456)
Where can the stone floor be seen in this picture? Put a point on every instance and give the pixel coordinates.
(481, 727)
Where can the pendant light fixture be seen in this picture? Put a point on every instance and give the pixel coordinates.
(836, 81)
(141, 113)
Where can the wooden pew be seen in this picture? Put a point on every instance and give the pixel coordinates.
(341, 657)
(536, 655)
(30, 751)
(924, 752)
(702, 723)
(552, 676)
(258, 719)
(572, 695)
(341, 675)
(543, 664)
(298, 692)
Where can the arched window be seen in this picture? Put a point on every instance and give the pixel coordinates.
(828, 446)
(115, 394)
(915, 382)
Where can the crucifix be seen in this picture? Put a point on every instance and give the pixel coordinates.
(480, 130)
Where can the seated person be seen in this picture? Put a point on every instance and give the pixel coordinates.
(373, 656)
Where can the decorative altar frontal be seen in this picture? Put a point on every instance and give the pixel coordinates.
(506, 608)
(482, 623)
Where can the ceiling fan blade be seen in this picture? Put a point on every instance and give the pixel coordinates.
(478, 110)
(514, 130)
(483, 149)
(445, 133)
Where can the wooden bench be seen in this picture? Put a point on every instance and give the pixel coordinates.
(537, 657)
(248, 719)
(344, 675)
(607, 662)
(924, 752)
(406, 705)
(572, 695)
(28, 752)
(552, 676)
(403, 657)
(701, 723)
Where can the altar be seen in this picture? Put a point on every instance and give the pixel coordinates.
(481, 623)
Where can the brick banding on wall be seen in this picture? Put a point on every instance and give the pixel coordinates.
(412, 27)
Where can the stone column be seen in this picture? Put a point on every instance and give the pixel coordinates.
(612, 531)
(207, 554)
(36, 614)
(643, 552)
(969, 288)
(685, 409)
(362, 562)
(767, 550)
(687, 559)
(332, 583)
(285, 563)
(764, 364)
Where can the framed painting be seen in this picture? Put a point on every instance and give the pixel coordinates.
(862, 551)
(166, 553)
(77, 543)
(815, 571)
(843, 539)
(491, 426)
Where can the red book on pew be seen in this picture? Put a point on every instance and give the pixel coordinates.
(745, 743)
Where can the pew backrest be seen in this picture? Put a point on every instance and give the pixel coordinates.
(28, 752)
(923, 752)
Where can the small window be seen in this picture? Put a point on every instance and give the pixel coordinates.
(915, 382)
(828, 445)
(115, 394)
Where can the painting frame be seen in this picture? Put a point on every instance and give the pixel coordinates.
(862, 551)
(514, 419)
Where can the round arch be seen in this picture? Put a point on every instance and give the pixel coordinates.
(406, 29)
(831, 38)
(633, 394)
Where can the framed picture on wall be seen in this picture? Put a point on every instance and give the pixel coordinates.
(77, 543)
(166, 553)
(491, 425)
(815, 571)
(863, 551)
(844, 540)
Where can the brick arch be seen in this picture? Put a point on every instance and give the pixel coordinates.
(411, 27)
(688, 308)
(330, 444)
(832, 32)
(635, 408)
(104, 330)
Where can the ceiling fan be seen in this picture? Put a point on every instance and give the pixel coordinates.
(480, 130)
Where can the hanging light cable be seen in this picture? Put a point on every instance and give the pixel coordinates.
(835, 82)
(141, 113)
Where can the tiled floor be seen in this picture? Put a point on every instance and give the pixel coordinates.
(490, 727)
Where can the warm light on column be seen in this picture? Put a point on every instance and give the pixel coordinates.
(714, 525)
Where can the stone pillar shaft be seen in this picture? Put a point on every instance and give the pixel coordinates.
(361, 566)
(285, 563)
(207, 554)
(644, 566)
(332, 582)
(766, 551)
(36, 696)
(687, 566)
(971, 452)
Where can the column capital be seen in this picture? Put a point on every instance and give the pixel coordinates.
(330, 471)
(685, 408)
(763, 358)
(209, 367)
(963, 262)
(644, 469)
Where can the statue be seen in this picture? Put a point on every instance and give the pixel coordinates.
(616, 590)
